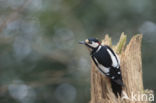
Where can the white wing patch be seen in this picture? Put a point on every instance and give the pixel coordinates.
(106, 70)
(114, 61)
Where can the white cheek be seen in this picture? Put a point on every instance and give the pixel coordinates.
(94, 45)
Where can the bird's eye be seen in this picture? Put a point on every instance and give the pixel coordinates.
(90, 42)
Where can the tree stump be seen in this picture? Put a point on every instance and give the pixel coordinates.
(131, 69)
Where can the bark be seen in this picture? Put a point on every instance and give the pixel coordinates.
(131, 68)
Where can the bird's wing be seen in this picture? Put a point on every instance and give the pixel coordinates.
(108, 63)
(114, 57)
(103, 57)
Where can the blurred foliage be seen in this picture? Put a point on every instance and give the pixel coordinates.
(40, 59)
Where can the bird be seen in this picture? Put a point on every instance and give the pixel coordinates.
(107, 62)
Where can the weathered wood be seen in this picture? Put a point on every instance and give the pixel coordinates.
(131, 68)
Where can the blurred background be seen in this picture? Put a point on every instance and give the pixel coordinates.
(40, 58)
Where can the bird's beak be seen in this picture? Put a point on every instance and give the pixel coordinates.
(82, 42)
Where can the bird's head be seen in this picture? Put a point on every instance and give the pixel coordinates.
(91, 43)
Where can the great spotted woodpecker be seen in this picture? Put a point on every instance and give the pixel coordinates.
(107, 62)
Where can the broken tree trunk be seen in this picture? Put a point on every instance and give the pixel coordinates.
(131, 68)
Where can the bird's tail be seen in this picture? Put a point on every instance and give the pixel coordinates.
(116, 87)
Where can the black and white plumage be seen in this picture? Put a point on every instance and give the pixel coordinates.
(107, 62)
